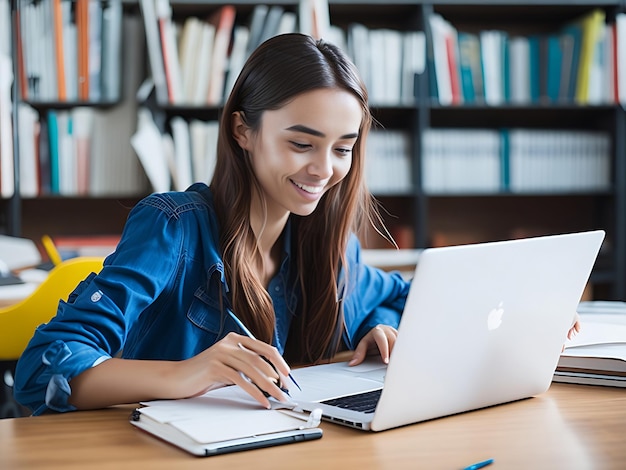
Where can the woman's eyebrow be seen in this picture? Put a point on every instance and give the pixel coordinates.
(316, 133)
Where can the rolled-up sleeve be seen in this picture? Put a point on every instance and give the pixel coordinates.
(92, 325)
(372, 296)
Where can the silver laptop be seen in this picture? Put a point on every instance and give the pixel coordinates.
(483, 325)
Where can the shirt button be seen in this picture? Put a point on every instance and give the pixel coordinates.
(277, 288)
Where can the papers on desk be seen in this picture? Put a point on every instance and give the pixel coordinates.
(225, 420)
(597, 355)
(18, 253)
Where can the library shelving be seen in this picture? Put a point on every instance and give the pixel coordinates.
(500, 199)
(74, 88)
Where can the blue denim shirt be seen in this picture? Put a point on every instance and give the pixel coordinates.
(158, 297)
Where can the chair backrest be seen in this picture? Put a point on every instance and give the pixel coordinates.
(19, 321)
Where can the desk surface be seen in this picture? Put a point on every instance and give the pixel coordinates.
(570, 426)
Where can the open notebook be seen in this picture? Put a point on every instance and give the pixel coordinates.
(484, 324)
(224, 420)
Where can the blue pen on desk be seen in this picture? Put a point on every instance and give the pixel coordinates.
(249, 334)
(478, 465)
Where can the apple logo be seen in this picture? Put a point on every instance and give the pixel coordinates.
(494, 319)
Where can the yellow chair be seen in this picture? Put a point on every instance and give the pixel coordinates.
(19, 321)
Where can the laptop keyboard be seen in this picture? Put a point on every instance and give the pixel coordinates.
(364, 402)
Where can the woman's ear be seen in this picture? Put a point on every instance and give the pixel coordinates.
(241, 131)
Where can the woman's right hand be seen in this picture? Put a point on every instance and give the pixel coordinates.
(252, 364)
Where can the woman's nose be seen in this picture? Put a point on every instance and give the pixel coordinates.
(322, 164)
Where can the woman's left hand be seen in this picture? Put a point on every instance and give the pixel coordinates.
(381, 338)
(575, 328)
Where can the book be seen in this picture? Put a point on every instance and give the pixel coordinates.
(597, 354)
(7, 185)
(223, 20)
(189, 44)
(573, 35)
(534, 68)
(70, 53)
(19, 51)
(59, 49)
(519, 69)
(5, 28)
(598, 87)
(182, 155)
(82, 118)
(359, 47)
(204, 58)
(492, 47)
(591, 27)
(566, 42)
(53, 145)
(112, 50)
(67, 153)
(43, 147)
(413, 64)
(169, 48)
(225, 420)
(256, 23)
(439, 30)
(288, 23)
(49, 75)
(212, 129)
(453, 66)
(392, 41)
(94, 51)
(381, 81)
(27, 120)
(468, 46)
(272, 22)
(82, 31)
(619, 50)
(203, 137)
(314, 18)
(554, 67)
(610, 62)
(147, 143)
(153, 42)
(241, 35)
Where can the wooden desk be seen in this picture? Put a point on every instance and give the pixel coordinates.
(569, 427)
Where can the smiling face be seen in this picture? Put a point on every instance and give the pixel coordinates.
(303, 149)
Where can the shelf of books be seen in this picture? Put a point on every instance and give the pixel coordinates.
(486, 110)
(77, 66)
(520, 117)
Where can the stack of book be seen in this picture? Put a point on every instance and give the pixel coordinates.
(597, 355)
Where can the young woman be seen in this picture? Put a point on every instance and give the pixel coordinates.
(270, 241)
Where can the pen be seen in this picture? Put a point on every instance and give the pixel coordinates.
(478, 465)
(249, 334)
(51, 250)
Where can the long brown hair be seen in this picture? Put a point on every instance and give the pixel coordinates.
(277, 71)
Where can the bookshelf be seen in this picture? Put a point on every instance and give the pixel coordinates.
(418, 216)
(88, 174)
(511, 211)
